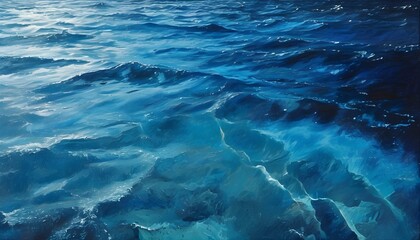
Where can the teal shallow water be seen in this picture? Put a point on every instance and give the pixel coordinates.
(209, 120)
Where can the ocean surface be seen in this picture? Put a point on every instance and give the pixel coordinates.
(287, 119)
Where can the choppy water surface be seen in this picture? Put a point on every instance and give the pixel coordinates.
(209, 119)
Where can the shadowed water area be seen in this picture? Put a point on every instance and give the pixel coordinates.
(209, 119)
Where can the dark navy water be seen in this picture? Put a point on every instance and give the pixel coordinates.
(209, 119)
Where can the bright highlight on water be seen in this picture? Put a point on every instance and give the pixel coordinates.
(206, 119)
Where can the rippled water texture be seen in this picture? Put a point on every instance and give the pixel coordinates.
(209, 119)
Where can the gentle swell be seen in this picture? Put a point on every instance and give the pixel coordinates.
(209, 120)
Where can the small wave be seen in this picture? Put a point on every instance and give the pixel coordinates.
(100, 5)
(209, 28)
(133, 72)
(11, 65)
(129, 16)
(141, 74)
(324, 55)
(55, 38)
(252, 108)
(213, 28)
(276, 44)
(66, 36)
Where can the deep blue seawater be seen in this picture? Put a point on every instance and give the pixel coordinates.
(287, 119)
